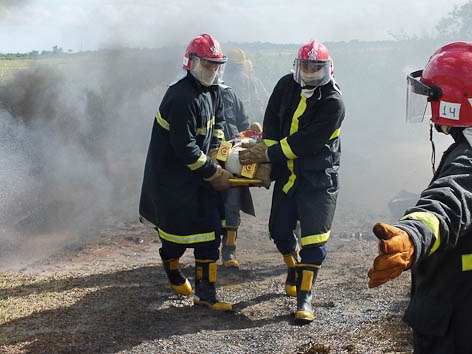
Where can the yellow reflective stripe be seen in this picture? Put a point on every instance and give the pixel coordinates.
(201, 131)
(162, 122)
(466, 262)
(432, 222)
(335, 134)
(314, 239)
(219, 133)
(287, 150)
(199, 163)
(298, 112)
(291, 178)
(269, 142)
(187, 239)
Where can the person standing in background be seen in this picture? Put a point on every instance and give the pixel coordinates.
(239, 198)
(239, 73)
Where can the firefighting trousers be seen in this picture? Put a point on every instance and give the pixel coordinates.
(233, 207)
(314, 208)
(205, 250)
(202, 250)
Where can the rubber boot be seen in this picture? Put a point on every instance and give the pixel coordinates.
(291, 260)
(306, 275)
(177, 279)
(228, 248)
(205, 291)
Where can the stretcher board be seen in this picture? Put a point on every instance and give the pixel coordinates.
(238, 182)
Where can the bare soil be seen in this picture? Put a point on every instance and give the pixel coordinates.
(109, 294)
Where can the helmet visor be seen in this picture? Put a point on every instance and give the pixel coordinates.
(418, 96)
(311, 73)
(207, 71)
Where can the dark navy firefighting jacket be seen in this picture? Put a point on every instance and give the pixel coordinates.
(174, 195)
(303, 134)
(440, 226)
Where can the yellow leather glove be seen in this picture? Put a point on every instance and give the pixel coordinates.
(395, 254)
(220, 179)
(253, 153)
(263, 173)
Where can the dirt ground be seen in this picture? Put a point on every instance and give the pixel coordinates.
(109, 294)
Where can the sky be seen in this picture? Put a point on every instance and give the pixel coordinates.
(75, 25)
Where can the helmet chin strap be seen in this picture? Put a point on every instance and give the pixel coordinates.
(433, 147)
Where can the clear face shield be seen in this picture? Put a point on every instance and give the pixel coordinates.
(311, 73)
(208, 72)
(418, 97)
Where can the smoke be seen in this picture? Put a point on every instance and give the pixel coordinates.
(73, 141)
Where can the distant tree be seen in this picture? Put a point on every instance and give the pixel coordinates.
(456, 26)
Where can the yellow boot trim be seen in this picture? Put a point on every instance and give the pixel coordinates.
(219, 306)
(212, 272)
(307, 280)
(304, 316)
(184, 289)
(289, 260)
(291, 290)
(232, 263)
(231, 237)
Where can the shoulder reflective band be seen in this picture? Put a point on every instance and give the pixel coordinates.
(432, 222)
(162, 122)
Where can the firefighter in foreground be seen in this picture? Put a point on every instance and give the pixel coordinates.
(181, 191)
(239, 198)
(301, 141)
(434, 238)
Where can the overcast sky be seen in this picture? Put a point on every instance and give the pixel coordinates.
(27, 25)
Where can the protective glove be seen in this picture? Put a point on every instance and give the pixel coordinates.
(253, 153)
(396, 251)
(220, 179)
(263, 173)
(256, 126)
(212, 153)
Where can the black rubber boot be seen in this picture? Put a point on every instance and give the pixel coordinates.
(291, 260)
(228, 248)
(177, 279)
(205, 290)
(306, 276)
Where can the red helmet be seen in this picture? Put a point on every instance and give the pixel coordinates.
(206, 47)
(311, 68)
(446, 82)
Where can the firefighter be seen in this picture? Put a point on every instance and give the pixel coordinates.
(301, 141)
(239, 198)
(181, 191)
(434, 238)
(252, 92)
